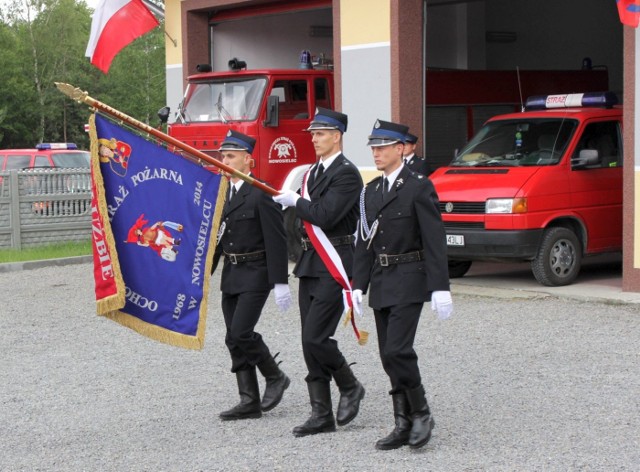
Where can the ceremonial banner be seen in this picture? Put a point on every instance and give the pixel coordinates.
(155, 220)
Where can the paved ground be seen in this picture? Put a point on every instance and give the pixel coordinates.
(519, 380)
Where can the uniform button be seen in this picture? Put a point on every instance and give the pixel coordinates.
(380, 215)
(230, 244)
(383, 247)
(381, 231)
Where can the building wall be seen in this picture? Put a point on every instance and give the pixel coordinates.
(173, 54)
(365, 63)
(631, 202)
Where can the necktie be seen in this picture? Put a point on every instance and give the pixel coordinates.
(319, 171)
(233, 192)
(385, 187)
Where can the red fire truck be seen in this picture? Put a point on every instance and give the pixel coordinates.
(544, 185)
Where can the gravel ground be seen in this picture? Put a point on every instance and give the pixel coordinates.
(515, 385)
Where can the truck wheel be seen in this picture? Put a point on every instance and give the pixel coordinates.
(291, 224)
(458, 268)
(559, 258)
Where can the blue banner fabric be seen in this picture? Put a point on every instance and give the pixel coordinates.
(162, 213)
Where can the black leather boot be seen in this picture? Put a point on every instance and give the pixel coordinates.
(276, 383)
(351, 392)
(421, 419)
(400, 435)
(249, 406)
(321, 419)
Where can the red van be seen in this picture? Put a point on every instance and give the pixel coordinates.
(45, 155)
(544, 185)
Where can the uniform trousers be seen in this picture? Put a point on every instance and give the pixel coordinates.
(241, 314)
(396, 327)
(321, 307)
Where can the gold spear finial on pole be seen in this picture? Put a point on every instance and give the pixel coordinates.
(83, 97)
(73, 92)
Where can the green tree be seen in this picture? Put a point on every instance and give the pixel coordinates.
(43, 42)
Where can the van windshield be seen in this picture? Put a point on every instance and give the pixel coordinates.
(71, 159)
(514, 143)
(223, 100)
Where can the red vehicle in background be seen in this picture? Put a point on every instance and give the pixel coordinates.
(544, 185)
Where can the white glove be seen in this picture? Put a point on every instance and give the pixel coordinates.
(283, 296)
(442, 304)
(286, 198)
(356, 299)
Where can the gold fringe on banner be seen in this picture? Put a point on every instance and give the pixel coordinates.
(116, 301)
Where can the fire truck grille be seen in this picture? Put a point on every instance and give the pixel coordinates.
(458, 225)
(473, 208)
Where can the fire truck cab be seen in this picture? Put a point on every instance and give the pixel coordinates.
(272, 106)
(544, 185)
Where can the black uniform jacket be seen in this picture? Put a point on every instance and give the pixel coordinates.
(420, 165)
(253, 222)
(333, 208)
(409, 220)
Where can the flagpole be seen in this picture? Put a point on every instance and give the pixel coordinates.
(83, 97)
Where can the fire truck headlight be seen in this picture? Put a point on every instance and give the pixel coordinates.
(506, 205)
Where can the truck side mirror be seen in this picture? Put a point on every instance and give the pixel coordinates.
(586, 158)
(163, 114)
(272, 119)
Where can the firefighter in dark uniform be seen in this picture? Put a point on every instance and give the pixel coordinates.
(330, 203)
(253, 243)
(412, 161)
(401, 256)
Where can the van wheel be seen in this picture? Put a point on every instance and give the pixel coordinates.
(291, 225)
(559, 258)
(458, 268)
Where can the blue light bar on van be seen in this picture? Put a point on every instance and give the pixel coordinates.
(43, 146)
(572, 100)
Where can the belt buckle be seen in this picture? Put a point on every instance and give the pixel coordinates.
(233, 259)
(384, 260)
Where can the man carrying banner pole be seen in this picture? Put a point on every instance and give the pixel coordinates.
(253, 242)
(328, 209)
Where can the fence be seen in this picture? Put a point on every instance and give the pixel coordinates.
(44, 206)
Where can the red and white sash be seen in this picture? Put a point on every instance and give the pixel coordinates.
(332, 261)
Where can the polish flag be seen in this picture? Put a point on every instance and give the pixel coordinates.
(629, 11)
(115, 24)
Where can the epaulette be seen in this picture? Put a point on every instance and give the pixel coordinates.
(375, 179)
(417, 175)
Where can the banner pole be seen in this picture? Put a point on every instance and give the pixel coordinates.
(83, 97)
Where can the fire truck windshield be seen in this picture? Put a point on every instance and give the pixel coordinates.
(513, 143)
(224, 100)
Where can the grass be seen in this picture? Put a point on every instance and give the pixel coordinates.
(53, 251)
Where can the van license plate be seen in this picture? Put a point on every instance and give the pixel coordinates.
(455, 240)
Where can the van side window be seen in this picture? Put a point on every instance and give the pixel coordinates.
(18, 162)
(41, 161)
(293, 99)
(601, 143)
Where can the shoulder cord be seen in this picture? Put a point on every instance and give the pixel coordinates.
(366, 233)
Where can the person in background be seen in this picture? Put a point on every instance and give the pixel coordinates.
(328, 207)
(401, 257)
(412, 161)
(253, 242)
